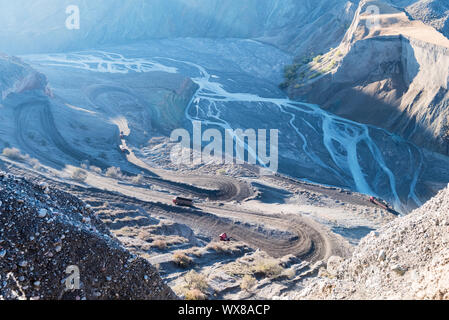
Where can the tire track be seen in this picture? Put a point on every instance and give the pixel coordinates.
(227, 189)
(307, 241)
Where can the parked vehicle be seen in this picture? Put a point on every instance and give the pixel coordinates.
(183, 202)
(224, 237)
(383, 204)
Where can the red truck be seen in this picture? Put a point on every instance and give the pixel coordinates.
(224, 237)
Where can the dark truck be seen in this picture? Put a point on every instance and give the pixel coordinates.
(183, 202)
(384, 205)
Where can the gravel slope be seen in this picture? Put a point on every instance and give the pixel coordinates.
(43, 231)
(407, 259)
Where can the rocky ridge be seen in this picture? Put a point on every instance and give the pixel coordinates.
(393, 75)
(294, 26)
(406, 259)
(45, 232)
(432, 12)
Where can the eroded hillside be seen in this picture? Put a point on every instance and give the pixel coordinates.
(389, 71)
(295, 26)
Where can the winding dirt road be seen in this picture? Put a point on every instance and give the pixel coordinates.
(308, 240)
(305, 238)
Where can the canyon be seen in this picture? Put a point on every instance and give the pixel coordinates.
(356, 92)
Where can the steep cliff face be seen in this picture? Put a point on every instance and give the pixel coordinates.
(297, 26)
(394, 75)
(424, 108)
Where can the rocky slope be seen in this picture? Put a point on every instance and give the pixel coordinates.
(297, 26)
(407, 259)
(432, 12)
(44, 231)
(393, 75)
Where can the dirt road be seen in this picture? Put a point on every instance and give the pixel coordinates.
(309, 241)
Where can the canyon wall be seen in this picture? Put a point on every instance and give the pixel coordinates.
(394, 76)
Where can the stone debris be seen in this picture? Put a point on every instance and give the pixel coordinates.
(406, 259)
(42, 213)
(39, 245)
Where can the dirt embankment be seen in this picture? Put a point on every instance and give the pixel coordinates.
(392, 75)
(46, 234)
(407, 259)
